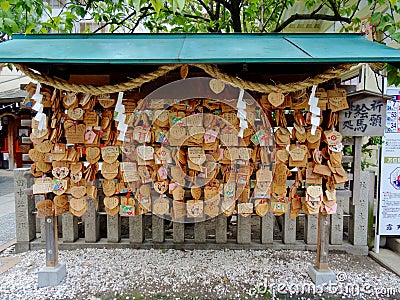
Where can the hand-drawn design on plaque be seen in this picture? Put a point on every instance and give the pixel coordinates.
(395, 178)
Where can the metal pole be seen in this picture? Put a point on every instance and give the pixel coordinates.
(378, 197)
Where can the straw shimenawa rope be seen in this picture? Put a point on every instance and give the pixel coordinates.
(97, 90)
(211, 70)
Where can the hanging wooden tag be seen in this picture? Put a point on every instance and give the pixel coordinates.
(76, 134)
(59, 186)
(110, 171)
(276, 99)
(161, 187)
(217, 86)
(42, 186)
(333, 137)
(44, 147)
(314, 191)
(78, 204)
(245, 209)
(105, 100)
(161, 206)
(35, 155)
(211, 207)
(61, 200)
(196, 192)
(78, 191)
(45, 208)
(197, 155)
(111, 202)
(178, 193)
(194, 208)
(76, 113)
(110, 153)
(261, 207)
(60, 172)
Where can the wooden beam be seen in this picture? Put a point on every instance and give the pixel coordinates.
(322, 242)
(51, 241)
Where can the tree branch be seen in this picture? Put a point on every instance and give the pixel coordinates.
(334, 8)
(224, 3)
(318, 8)
(120, 22)
(208, 10)
(269, 18)
(296, 17)
(355, 10)
(280, 15)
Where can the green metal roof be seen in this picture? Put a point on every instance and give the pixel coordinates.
(194, 48)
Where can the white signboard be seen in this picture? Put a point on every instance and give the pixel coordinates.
(389, 204)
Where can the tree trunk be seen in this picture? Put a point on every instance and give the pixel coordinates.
(234, 9)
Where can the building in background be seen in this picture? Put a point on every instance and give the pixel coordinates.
(15, 120)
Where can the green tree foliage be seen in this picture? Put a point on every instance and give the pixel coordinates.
(36, 16)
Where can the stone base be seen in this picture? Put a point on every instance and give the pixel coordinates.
(51, 276)
(321, 276)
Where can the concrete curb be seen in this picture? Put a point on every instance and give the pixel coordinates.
(387, 259)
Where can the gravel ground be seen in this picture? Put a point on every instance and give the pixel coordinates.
(179, 274)
(7, 228)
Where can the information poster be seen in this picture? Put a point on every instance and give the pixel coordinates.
(389, 204)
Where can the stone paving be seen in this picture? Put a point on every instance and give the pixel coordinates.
(7, 209)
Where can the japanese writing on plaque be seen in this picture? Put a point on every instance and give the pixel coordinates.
(364, 117)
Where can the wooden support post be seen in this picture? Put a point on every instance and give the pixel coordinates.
(69, 228)
(24, 206)
(50, 224)
(357, 152)
(136, 229)
(221, 226)
(157, 229)
(336, 237)
(178, 232)
(200, 232)
(243, 229)
(358, 225)
(113, 228)
(311, 229)
(92, 223)
(289, 230)
(323, 242)
(267, 228)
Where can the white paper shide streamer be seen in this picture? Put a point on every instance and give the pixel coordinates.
(121, 117)
(315, 110)
(40, 116)
(241, 113)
